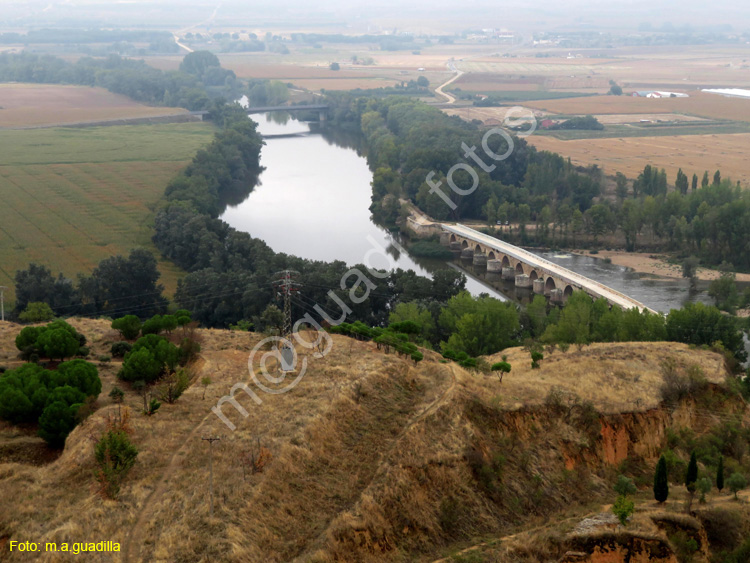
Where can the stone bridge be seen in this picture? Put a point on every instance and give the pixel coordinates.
(527, 269)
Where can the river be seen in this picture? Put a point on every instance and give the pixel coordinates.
(312, 200)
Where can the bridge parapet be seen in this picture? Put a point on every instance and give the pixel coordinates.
(553, 276)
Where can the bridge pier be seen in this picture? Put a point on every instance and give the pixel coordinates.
(445, 239)
(557, 296)
(322, 116)
(494, 266)
(509, 274)
(539, 286)
(467, 254)
(480, 260)
(523, 281)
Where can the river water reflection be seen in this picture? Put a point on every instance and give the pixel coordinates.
(312, 200)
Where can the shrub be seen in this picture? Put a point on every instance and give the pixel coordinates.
(536, 357)
(736, 483)
(704, 487)
(153, 325)
(80, 374)
(128, 326)
(173, 386)
(37, 313)
(58, 343)
(625, 486)
(104, 358)
(685, 546)
(84, 351)
(57, 421)
(119, 349)
(724, 528)
(151, 357)
(623, 508)
(117, 395)
(115, 455)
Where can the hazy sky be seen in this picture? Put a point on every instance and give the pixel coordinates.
(410, 14)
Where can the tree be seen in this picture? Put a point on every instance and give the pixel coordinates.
(272, 318)
(615, 90)
(36, 313)
(57, 421)
(704, 180)
(690, 270)
(36, 284)
(681, 183)
(623, 508)
(334, 66)
(717, 178)
(128, 326)
(205, 382)
(625, 486)
(81, 375)
(536, 357)
(704, 487)
(115, 455)
(720, 474)
(198, 62)
(661, 481)
(621, 189)
(694, 183)
(117, 395)
(422, 82)
(501, 367)
(691, 476)
(736, 483)
(57, 343)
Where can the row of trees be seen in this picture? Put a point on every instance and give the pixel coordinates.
(481, 326)
(130, 77)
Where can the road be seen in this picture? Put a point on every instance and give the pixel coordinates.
(456, 76)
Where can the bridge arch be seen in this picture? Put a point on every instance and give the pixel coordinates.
(568, 291)
(533, 275)
(549, 285)
(519, 268)
(506, 262)
(478, 249)
(453, 238)
(464, 244)
(491, 256)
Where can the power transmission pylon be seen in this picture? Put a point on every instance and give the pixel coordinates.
(2, 303)
(285, 287)
(211, 468)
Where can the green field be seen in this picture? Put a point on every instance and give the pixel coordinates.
(71, 197)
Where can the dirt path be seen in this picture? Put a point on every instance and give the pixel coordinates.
(439, 89)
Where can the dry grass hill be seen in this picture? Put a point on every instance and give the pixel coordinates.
(369, 458)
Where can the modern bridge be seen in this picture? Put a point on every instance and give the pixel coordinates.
(322, 109)
(527, 269)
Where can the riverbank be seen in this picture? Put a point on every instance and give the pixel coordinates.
(654, 265)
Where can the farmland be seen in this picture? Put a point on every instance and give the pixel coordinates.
(34, 105)
(73, 197)
(692, 153)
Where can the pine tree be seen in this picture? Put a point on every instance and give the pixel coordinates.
(661, 481)
(720, 474)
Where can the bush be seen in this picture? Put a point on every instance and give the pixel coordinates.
(57, 421)
(128, 326)
(104, 358)
(724, 528)
(625, 486)
(152, 326)
(37, 313)
(80, 374)
(84, 351)
(736, 483)
(115, 455)
(678, 383)
(623, 508)
(117, 395)
(119, 349)
(151, 357)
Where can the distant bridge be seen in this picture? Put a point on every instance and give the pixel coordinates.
(322, 109)
(527, 269)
